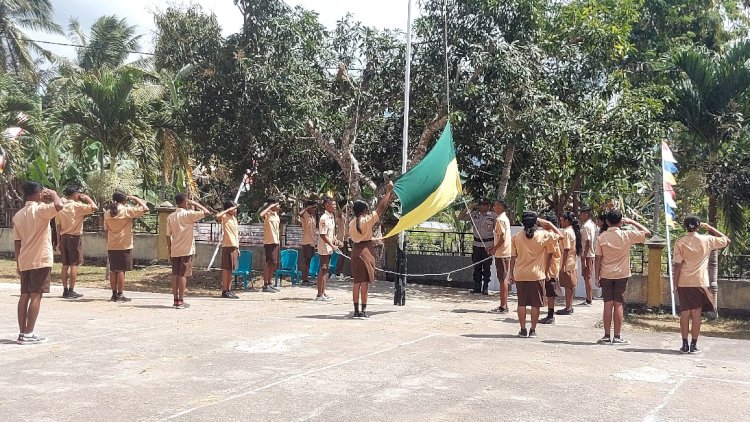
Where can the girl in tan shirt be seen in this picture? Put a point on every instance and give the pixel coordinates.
(118, 230)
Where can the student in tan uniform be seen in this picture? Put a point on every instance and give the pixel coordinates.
(691, 277)
(342, 228)
(552, 284)
(501, 251)
(118, 230)
(363, 256)
(181, 244)
(613, 269)
(271, 241)
(531, 257)
(572, 249)
(69, 231)
(32, 241)
(307, 219)
(327, 245)
(230, 246)
(588, 240)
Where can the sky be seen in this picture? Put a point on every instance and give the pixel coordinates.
(380, 13)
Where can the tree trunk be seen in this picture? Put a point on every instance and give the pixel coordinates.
(713, 258)
(427, 135)
(502, 187)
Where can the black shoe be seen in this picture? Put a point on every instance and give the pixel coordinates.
(357, 315)
(694, 350)
(532, 333)
(66, 294)
(73, 295)
(233, 294)
(226, 295)
(364, 315)
(523, 333)
(485, 292)
(564, 312)
(547, 320)
(113, 298)
(121, 298)
(475, 291)
(685, 349)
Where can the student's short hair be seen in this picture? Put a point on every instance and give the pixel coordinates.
(71, 190)
(586, 208)
(342, 203)
(503, 203)
(229, 204)
(326, 199)
(692, 223)
(552, 218)
(484, 201)
(614, 217)
(310, 203)
(180, 198)
(31, 188)
(272, 200)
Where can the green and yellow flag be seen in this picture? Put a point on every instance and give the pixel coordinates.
(430, 186)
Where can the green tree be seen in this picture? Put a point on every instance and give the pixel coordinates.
(108, 45)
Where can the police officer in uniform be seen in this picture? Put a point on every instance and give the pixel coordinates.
(483, 227)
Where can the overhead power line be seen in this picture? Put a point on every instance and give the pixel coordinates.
(79, 45)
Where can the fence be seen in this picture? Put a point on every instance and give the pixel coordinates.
(249, 234)
(734, 267)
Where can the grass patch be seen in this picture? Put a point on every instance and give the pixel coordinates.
(666, 323)
(154, 279)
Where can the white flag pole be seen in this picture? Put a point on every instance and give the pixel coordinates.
(236, 198)
(669, 240)
(400, 293)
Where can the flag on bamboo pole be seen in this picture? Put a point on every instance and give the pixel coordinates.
(433, 184)
(669, 169)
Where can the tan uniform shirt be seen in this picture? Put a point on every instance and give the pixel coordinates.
(180, 227)
(366, 223)
(569, 242)
(341, 227)
(613, 246)
(531, 254)
(589, 232)
(327, 227)
(554, 270)
(271, 228)
(31, 227)
(229, 229)
(308, 229)
(119, 227)
(692, 251)
(483, 227)
(502, 228)
(70, 218)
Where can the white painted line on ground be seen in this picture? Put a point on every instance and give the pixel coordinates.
(652, 416)
(52, 342)
(301, 375)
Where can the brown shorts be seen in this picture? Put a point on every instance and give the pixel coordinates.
(228, 254)
(549, 287)
(502, 265)
(36, 280)
(568, 279)
(588, 267)
(530, 293)
(324, 264)
(70, 249)
(363, 262)
(120, 260)
(696, 298)
(272, 253)
(613, 289)
(182, 266)
(308, 252)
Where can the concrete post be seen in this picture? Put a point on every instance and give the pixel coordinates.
(162, 250)
(653, 290)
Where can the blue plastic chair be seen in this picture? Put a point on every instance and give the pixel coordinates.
(244, 268)
(314, 266)
(289, 267)
(333, 263)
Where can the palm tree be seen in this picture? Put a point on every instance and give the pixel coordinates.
(709, 95)
(15, 47)
(17, 112)
(107, 46)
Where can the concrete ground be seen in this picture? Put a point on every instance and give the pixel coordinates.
(284, 357)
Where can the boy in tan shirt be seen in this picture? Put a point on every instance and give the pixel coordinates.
(307, 219)
(691, 254)
(327, 245)
(613, 269)
(501, 251)
(181, 243)
(271, 242)
(69, 231)
(118, 231)
(32, 241)
(230, 244)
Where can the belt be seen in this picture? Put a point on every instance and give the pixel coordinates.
(364, 242)
(489, 239)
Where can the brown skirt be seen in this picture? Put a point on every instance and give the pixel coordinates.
(70, 250)
(272, 253)
(530, 293)
(696, 298)
(228, 254)
(363, 262)
(120, 260)
(569, 279)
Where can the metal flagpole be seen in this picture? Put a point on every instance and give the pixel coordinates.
(399, 297)
(669, 240)
(244, 182)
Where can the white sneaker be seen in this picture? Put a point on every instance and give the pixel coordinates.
(33, 339)
(327, 298)
(319, 298)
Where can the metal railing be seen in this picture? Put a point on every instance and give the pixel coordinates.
(734, 267)
(424, 242)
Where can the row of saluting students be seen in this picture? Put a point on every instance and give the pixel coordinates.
(542, 260)
(34, 251)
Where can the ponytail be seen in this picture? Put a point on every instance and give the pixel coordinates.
(359, 208)
(529, 223)
(571, 218)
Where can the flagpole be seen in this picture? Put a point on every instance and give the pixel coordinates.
(236, 198)
(399, 297)
(669, 240)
